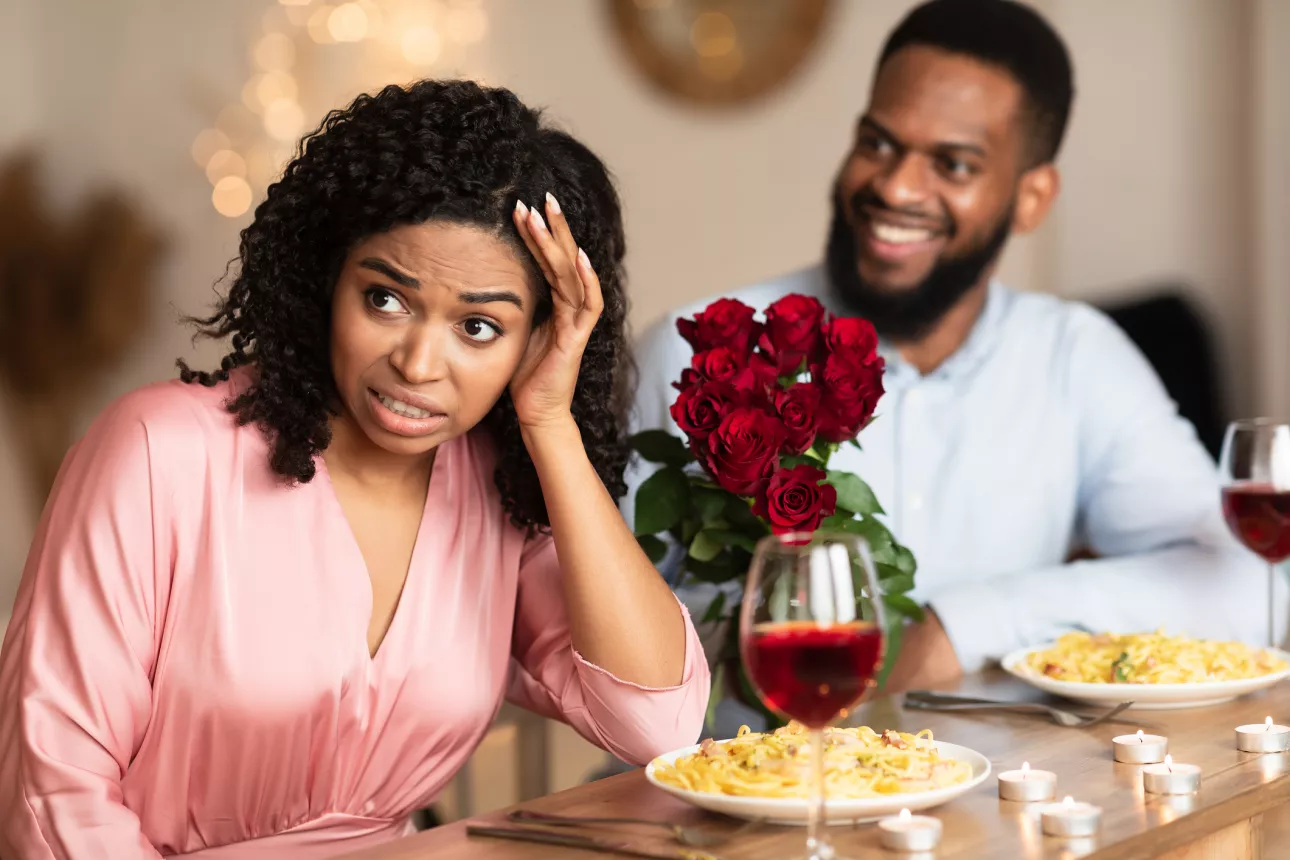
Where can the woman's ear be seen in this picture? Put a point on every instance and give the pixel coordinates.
(1036, 194)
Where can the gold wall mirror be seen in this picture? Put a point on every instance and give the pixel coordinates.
(719, 51)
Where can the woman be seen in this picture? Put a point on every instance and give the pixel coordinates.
(270, 614)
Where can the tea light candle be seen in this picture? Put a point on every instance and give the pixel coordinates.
(907, 832)
(1170, 778)
(1140, 748)
(1069, 818)
(1265, 738)
(1026, 785)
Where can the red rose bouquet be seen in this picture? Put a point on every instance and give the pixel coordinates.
(763, 406)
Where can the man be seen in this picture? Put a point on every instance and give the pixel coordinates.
(1016, 428)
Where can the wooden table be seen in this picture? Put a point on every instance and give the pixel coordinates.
(1224, 821)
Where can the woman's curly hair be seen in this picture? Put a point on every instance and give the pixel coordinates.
(436, 150)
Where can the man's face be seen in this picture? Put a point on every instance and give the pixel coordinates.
(924, 202)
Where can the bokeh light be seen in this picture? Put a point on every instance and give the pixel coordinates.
(421, 45)
(231, 196)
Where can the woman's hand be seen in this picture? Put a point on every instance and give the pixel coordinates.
(542, 388)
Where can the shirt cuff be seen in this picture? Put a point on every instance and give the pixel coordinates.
(979, 623)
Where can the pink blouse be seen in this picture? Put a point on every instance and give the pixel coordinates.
(187, 670)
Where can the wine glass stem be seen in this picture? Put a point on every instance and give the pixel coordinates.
(1272, 627)
(817, 843)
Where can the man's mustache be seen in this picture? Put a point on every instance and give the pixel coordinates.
(866, 202)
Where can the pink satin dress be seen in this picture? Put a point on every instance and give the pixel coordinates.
(187, 670)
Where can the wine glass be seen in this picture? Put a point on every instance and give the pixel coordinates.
(811, 638)
(1255, 467)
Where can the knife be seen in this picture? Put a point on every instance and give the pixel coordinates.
(571, 840)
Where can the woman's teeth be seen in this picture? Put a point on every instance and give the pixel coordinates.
(398, 406)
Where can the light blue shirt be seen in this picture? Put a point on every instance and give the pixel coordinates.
(1045, 432)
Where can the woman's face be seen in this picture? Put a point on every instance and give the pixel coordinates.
(429, 323)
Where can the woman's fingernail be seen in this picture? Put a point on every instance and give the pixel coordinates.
(553, 203)
(584, 259)
(521, 208)
(536, 218)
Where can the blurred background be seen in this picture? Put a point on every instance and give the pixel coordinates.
(138, 135)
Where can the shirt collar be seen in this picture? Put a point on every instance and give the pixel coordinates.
(967, 358)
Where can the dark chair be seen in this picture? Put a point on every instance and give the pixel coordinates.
(1175, 338)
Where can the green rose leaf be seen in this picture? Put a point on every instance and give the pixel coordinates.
(895, 632)
(874, 533)
(654, 547)
(887, 571)
(854, 494)
(661, 501)
(897, 583)
(740, 516)
(725, 567)
(659, 446)
(708, 503)
(704, 547)
(903, 605)
(715, 693)
(728, 537)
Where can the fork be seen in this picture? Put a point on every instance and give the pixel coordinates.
(927, 700)
(692, 837)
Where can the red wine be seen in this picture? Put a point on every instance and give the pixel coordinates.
(810, 672)
(1260, 516)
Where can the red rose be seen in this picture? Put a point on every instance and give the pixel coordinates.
(850, 395)
(720, 363)
(725, 322)
(851, 338)
(796, 501)
(792, 331)
(699, 410)
(690, 378)
(764, 373)
(743, 451)
(798, 408)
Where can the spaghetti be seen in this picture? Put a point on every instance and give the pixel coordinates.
(859, 763)
(1149, 658)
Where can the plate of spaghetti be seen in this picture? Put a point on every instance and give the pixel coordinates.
(766, 776)
(1153, 670)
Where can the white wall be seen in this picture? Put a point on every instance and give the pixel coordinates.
(1270, 23)
(1156, 183)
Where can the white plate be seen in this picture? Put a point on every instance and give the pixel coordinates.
(1147, 697)
(793, 810)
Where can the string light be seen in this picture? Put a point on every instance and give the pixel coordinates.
(251, 138)
(284, 120)
(208, 142)
(421, 45)
(231, 197)
(275, 52)
(320, 25)
(226, 162)
(347, 23)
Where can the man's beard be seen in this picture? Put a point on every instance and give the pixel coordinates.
(907, 314)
